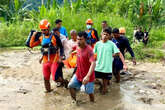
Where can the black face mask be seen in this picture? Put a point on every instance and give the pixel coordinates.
(47, 34)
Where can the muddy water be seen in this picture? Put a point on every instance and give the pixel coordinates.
(21, 87)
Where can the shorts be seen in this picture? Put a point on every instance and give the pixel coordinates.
(51, 68)
(74, 83)
(117, 64)
(102, 75)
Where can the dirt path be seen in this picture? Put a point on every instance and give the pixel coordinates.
(21, 87)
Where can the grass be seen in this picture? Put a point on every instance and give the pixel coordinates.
(146, 53)
(13, 35)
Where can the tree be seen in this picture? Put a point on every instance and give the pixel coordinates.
(14, 10)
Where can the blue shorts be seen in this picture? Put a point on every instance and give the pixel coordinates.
(74, 83)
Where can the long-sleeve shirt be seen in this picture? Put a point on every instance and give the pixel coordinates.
(139, 35)
(92, 37)
(123, 43)
(55, 41)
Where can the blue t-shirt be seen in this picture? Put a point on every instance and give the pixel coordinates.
(63, 31)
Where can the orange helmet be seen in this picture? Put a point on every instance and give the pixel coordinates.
(89, 21)
(122, 30)
(44, 24)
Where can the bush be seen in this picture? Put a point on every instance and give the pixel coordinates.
(15, 34)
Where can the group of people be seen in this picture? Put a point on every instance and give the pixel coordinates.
(94, 58)
(139, 35)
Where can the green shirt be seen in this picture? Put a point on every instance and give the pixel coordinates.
(104, 53)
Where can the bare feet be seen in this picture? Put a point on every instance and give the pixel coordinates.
(49, 91)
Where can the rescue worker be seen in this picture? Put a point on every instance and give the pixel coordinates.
(50, 44)
(92, 37)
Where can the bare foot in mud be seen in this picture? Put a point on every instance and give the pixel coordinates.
(81, 102)
(104, 92)
(63, 84)
(76, 102)
(117, 81)
(59, 84)
(48, 91)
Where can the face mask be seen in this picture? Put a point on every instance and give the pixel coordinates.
(89, 26)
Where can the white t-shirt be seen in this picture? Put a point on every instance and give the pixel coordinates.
(63, 38)
(65, 44)
(72, 43)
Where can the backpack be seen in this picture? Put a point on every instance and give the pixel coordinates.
(27, 43)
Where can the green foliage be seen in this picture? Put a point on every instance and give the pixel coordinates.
(14, 10)
(15, 34)
(157, 38)
(4, 2)
(118, 13)
(146, 54)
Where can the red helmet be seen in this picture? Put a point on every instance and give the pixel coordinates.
(89, 21)
(44, 24)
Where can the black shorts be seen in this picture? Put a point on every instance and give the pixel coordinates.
(117, 64)
(102, 75)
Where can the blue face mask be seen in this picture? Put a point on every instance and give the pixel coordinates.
(89, 26)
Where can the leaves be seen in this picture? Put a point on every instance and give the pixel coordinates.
(14, 10)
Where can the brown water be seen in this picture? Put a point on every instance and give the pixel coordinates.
(21, 87)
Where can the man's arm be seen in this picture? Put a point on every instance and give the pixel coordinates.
(91, 69)
(129, 49)
(147, 36)
(96, 34)
(59, 44)
(34, 43)
(123, 61)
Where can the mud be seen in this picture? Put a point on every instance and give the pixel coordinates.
(21, 87)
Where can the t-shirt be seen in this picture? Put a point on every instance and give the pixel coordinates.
(84, 58)
(63, 31)
(65, 45)
(72, 44)
(134, 32)
(92, 37)
(104, 53)
(63, 38)
(145, 34)
(139, 35)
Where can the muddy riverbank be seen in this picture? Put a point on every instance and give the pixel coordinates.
(21, 87)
